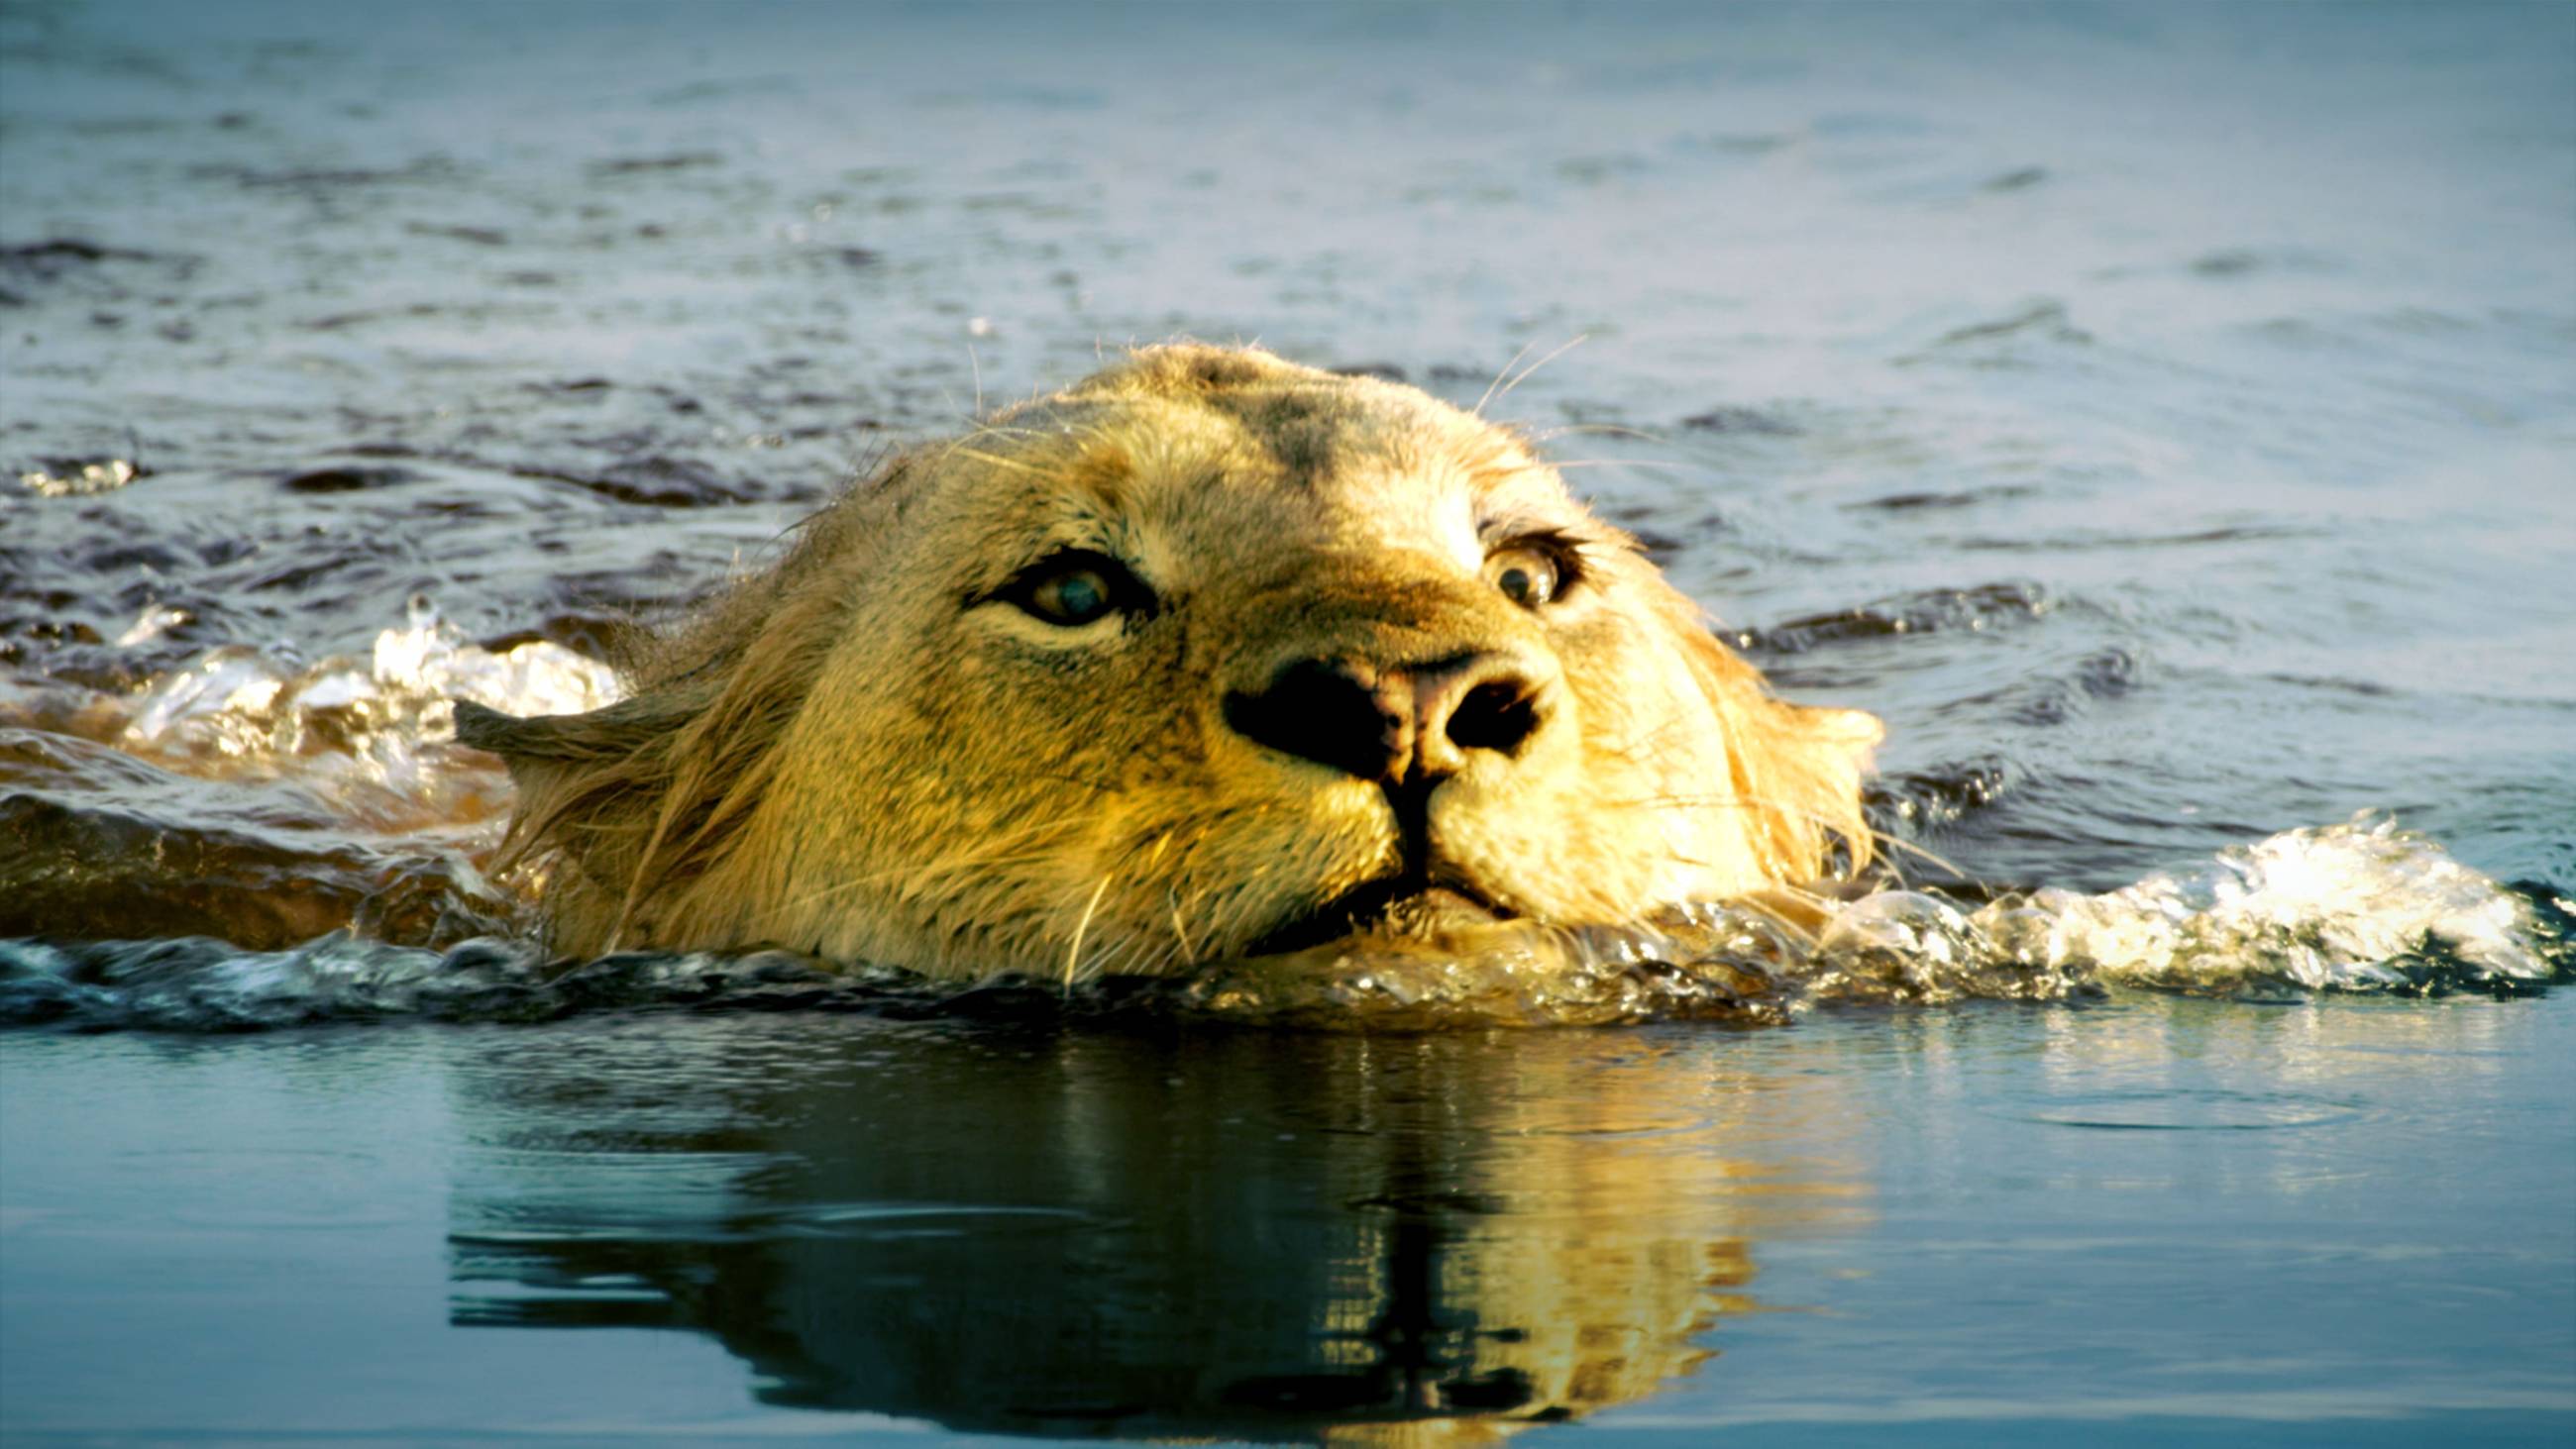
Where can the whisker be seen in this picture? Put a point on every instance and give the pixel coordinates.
(1612, 463)
(1181, 934)
(1734, 801)
(1073, 957)
(1771, 905)
(1910, 848)
(1607, 430)
(1035, 843)
(998, 461)
(1663, 465)
(1479, 408)
(1579, 339)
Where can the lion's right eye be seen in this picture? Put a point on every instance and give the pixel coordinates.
(1077, 587)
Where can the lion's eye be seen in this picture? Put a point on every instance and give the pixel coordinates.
(1074, 598)
(1527, 576)
(1075, 588)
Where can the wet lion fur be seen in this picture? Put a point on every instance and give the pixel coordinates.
(874, 750)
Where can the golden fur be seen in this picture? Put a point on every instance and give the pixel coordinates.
(879, 750)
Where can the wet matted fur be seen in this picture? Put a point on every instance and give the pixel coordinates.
(1206, 655)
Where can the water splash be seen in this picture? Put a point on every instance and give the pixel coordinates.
(2362, 907)
(79, 478)
(2358, 907)
(265, 801)
(376, 732)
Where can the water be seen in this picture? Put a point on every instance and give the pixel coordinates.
(2161, 417)
(2153, 1220)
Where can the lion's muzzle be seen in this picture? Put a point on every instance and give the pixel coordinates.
(1398, 725)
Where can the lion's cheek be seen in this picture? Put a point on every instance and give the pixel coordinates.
(1629, 807)
(1244, 854)
(885, 835)
(1522, 839)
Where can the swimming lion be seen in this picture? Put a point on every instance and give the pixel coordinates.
(1206, 657)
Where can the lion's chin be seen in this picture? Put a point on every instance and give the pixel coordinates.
(1396, 908)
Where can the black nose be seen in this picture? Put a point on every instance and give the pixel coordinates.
(1391, 724)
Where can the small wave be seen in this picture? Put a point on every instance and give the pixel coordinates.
(1917, 500)
(1939, 797)
(374, 731)
(80, 477)
(2009, 341)
(249, 796)
(2362, 907)
(1987, 606)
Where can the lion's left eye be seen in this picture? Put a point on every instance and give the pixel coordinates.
(1071, 598)
(1527, 576)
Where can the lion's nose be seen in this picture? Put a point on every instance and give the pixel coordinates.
(1391, 724)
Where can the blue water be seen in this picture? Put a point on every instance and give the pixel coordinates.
(2327, 1221)
(2163, 417)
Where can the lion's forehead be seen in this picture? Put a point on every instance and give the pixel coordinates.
(1308, 461)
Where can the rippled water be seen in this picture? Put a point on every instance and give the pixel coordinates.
(2361, 908)
(2162, 417)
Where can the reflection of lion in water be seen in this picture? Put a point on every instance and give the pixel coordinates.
(1327, 1239)
(1209, 655)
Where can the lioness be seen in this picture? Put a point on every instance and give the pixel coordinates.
(1208, 656)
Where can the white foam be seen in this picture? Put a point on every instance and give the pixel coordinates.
(2337, 906)
(377, 730)
(2358, 907)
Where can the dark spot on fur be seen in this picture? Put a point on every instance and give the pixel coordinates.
(1103, 472)
(1304, 449)
(1382, 371)
(1220, 370)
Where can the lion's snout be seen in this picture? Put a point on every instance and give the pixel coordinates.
(1395, 724)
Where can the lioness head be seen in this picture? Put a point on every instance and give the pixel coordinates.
(1210, 655)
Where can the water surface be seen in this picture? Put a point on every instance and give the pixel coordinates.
(2145, 1221)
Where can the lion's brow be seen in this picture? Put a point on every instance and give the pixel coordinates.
(1522, 521)
(1296, 430)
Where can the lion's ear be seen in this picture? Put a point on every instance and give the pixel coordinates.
(643, 796)
(1856, 732)
(535, 741)
(584, 780)
(1796, 767)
